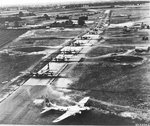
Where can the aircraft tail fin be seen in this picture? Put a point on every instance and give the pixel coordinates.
(48, 103)
(51, 104)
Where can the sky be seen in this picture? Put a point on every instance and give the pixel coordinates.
(40, 2)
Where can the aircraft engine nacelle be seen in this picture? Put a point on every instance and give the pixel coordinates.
(79, 112)
(61, 109)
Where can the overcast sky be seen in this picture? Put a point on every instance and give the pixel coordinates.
(39, 2)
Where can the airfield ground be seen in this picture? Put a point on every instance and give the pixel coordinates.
(119, 92)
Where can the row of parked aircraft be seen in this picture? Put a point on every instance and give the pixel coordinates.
(66, 53)
(69, 110)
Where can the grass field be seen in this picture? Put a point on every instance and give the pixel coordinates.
(33, 43)
(12, 65)
(115, 84)
(134, 12)
(59, 33)
(32, 49)
(42, 37)
(7, 36)
(98, 51)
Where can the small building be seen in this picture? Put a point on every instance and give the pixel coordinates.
(142, 48)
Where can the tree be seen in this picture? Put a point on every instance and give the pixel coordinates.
(81, 21)
(16, 24)
(46, 16)
(84, 17)
(21, 14)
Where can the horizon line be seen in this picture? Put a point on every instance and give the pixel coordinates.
(71, 2)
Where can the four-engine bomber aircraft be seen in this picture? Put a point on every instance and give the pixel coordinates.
(70, 110)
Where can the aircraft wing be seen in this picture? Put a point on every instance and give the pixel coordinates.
(65, 115)
(46, 109)
(83, 101)
(59, 108)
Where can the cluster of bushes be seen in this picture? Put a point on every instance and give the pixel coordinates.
(10, 19)
(67, 23)
(21, 14)
(62, 17)
(45, 16)
(74, 6)
(81, 20)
